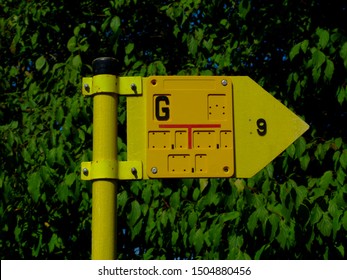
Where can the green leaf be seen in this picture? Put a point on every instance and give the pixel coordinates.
(338, 142)
(17, 233)
(136, 230)
(122, 199)
(148, 254)
(71, 44)
(291, 150)
(184, 192)
(192, 45)
(244, 8)
(286, 236)
(164, 218)
(326, 180)
(325, 226)
(252, 222)
(135, 213)
(316, 214)
(300, 147)
(301, 194)
(323, 37)
(224, 22)
(147, 194)
(137, 64)
(240, 184)
(34, 185)
(70, 179)
(341, 94)
(343, 54)
(318, 58)
(344, 220)
(63, 192)
(196, 194)
(34, 39)
(304, 161)
(198, 241)
(260, 251)
(203, 184)
(115, 24)
(192, 219)
(225, 217)
(341, 176)
(208, 44)
(304, 45)
(270, 170)
(129, 48)
(343, 159)
(274, 220)
(329, 70)
(40, 62)
(77, 61)
(341, 249)
(175, 200)
(294, 51)
(174, 238)
(297, 90)
(59, 115)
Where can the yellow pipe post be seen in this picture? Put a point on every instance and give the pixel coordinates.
(104, 193)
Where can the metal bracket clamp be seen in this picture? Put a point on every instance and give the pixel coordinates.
(110, 83)
(108, 169)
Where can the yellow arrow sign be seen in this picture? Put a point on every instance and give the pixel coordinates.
(263, 127)
(201, 126)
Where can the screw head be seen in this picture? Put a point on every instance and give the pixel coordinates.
(85, 172)
(224, 82)
(133, 87)
(133, 170)
(87, 87)
(154, 170)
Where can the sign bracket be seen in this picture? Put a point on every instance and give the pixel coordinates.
(130, 86)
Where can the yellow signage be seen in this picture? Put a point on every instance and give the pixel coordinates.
(207, 126)
(264, 127)
(189, 127)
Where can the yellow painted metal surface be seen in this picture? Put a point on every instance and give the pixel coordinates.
(109, 169)
(100, 169)
(207, 127)
(264, 127)
(130, 170)
(111, 83)
(136, 131)
(104, 149)
(129, 85)
(187, 130)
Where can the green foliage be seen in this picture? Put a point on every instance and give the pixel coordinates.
(295, 208)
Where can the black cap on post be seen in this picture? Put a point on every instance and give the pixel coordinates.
(104, 65)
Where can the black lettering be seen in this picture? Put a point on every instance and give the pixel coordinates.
(162, 113)
(262, 127)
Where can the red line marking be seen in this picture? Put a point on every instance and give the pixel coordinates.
(189, 127)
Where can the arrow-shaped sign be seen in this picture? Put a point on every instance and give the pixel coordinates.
(263, 126)
(207, 126)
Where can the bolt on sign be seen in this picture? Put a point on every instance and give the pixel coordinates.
(207, 126)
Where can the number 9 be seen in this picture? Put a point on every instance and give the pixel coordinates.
(262, 128)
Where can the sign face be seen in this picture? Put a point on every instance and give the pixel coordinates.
(207, 126)
(264, 127)
(189, 127)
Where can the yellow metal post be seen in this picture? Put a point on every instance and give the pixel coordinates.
(104, 208)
